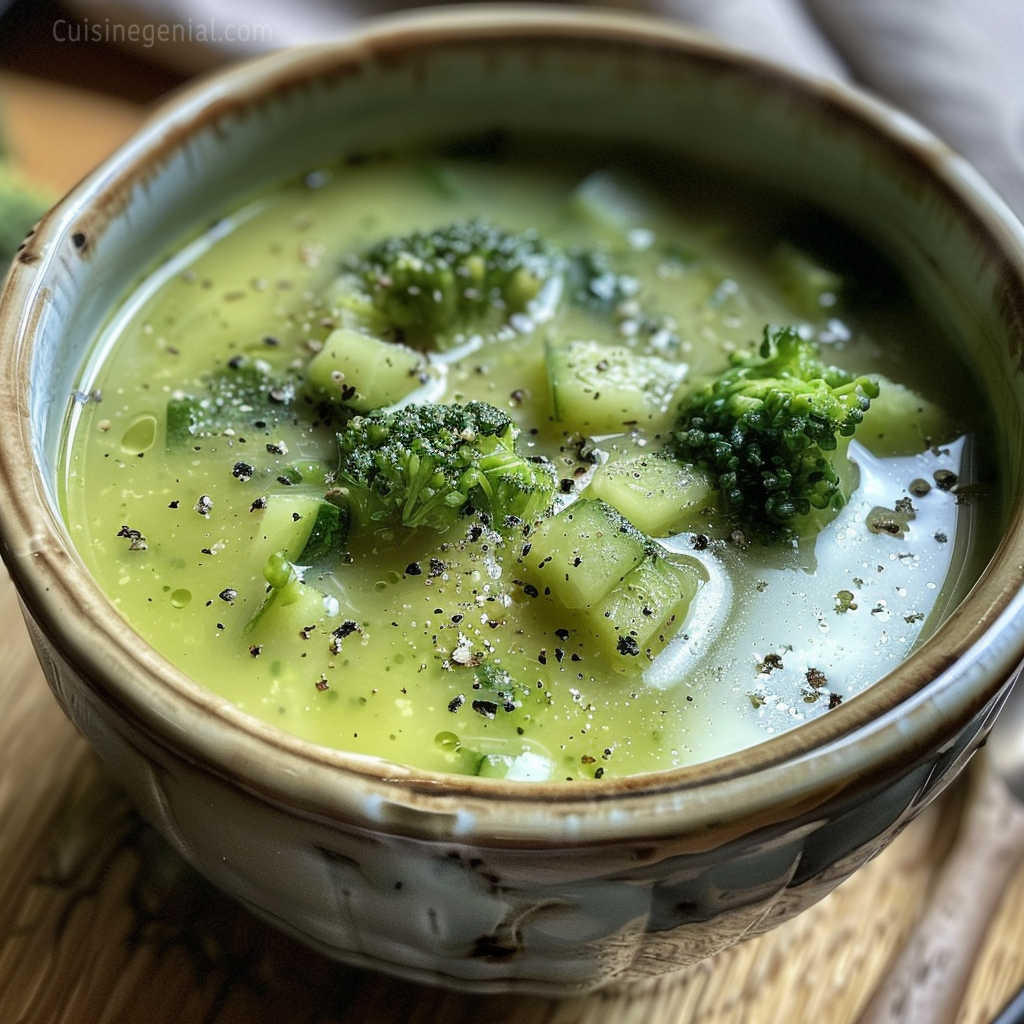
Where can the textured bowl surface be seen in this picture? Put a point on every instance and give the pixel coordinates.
(473, 882)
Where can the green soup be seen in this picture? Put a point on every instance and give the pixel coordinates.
(204, 440)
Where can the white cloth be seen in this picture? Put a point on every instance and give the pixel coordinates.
(956, 65)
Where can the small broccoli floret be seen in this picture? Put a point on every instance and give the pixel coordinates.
(431, 464)
(433, 287)
(773, 430)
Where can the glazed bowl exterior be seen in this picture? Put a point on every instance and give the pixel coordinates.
(478, 883)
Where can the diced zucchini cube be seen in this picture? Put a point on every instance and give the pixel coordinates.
(581, 554)
(289, 612)
(641, 614)
(902, 422)
(611, 202)
(808, 286)
(363, 372)
(659, 495)
(599, 388)
(306, 527)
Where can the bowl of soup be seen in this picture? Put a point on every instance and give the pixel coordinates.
(522, 499)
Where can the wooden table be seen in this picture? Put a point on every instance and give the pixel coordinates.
(100, 923)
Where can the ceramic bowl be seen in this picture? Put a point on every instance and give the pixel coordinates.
(478, 883)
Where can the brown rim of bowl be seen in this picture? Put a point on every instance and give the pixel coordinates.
(916, 702)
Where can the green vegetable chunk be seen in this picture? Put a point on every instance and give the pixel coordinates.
(902, 422)
(811, 288)
(433, 287)
(643, 612)
(584, 552)
(591, 559)
(304, 527)
(431, 465)
(773, 431)
(598, 388)
(659, 495)
(364, 372)
(292, 609)
(239, 394)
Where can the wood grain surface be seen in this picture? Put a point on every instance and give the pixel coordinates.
(101, 923)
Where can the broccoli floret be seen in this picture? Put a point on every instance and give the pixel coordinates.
(773, 430)
(429, 465)
(433, 287)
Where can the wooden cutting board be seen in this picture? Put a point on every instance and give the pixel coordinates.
(101, 923)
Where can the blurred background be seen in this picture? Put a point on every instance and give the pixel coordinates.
(956, 65)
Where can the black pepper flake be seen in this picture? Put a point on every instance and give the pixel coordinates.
(599, 773)
(941, 537)
(229, 594)
(260, 502)
(437, 567)
(562, 634)
(322, 684)
(770, 664)
(834, 700)
(945, 479)
(456, 702)
(530, 590)
(345, 629)
(277, 448)
(816, 678)
(137, 541)
(174, 504)
(242, 471)
(628, 646)
(256, 650)
(284, 480)
(414, 569)
(204, 504)
(700, 542)
(487, 708)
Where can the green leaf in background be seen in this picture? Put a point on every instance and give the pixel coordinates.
(21, 205)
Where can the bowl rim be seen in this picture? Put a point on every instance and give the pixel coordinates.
(896, 721)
